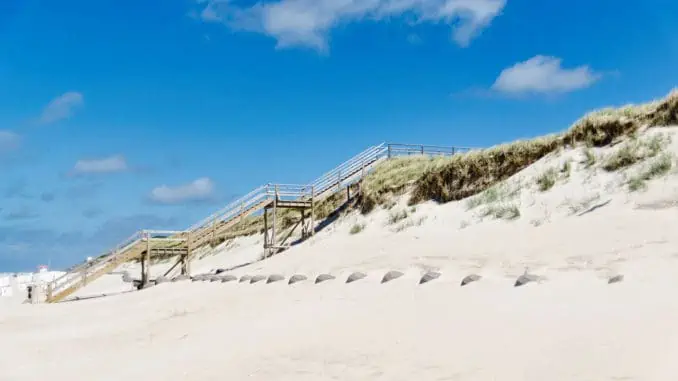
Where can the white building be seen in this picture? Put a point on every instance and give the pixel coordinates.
(15, 285)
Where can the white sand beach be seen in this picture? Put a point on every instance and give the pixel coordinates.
(570, 325)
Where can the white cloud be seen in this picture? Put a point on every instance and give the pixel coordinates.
(61, 107)
(111, 164)
(199, 190)
(543, 74)
(308, 22)
(9, 141)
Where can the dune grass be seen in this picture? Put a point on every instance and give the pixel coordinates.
(566, 169)
(634, 151)
(547, 180)
(394, 176)
(660, 166)
(397, 216)
(356, 228)
(589, 158)
(501, 211)
(471, 173)
(501, 192)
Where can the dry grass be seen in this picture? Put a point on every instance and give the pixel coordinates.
(497, 193)
(501, 211)
(635, 151)
(393, 177)
(397, 216)
(589, 158)
(658, 167)
(356, 228)
(636, 184)
(408, 224)
(566, 169)
(469, 174)
(547, 180)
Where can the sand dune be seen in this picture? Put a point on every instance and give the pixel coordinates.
(571, 324)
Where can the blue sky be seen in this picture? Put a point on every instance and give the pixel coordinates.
(116, 116)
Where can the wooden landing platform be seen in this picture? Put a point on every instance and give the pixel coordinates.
(291, 204)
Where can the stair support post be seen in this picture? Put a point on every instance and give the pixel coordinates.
(265, 231)
(214, 231)
(185, 263)
(274, 223)
(312, 210)
(146, 262)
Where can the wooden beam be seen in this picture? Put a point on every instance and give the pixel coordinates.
(265, 230)
(186, 259)
(275, 217)
(312, 210)
(147, 258)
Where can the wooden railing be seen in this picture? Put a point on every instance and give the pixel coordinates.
(84, 272)
(342, 175)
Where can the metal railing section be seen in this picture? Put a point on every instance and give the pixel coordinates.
(241, 203)
(291, 191)
(395, 149)
(348, 168)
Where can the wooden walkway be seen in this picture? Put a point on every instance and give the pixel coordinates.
(143, 244)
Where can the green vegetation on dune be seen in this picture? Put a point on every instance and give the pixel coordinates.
(471, 173)
(661, 165)
(393, 177)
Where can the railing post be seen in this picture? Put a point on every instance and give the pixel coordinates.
(265, 230)
(389, 152)
(275, 217)
(147, 259)
(422, 149)
(186, 265)
(214, 231)
(312, 210)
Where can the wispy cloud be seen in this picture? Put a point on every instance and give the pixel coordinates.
(9, 141)
(110, 164)
(23, 213)
(308, 22)
(61, 107)
(201, 189)
(543, 74)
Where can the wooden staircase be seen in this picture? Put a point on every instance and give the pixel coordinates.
(210, 228)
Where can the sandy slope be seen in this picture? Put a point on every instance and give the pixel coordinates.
(571, 326)
(567, 329)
